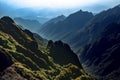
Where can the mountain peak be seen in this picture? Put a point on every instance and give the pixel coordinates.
(80, 16)
(55, 20)
(61, 16)
(81, 12)
(118, 5)
(64, 53)
(7, 19)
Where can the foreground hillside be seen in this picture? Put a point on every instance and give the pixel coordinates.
(21, 59)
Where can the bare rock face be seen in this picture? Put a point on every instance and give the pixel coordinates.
(62, 53)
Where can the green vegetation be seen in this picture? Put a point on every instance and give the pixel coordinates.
(32, 63)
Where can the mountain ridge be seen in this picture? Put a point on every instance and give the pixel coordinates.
(104, 51)
(28, 62)
(77, 35)
(32, 25)
(66, 27)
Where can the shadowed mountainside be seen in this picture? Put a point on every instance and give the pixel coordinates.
(101, 57)
(65, 29)
(81, 28)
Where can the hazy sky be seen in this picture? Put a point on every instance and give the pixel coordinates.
(61, 4)
(55, 3)
(52, 8)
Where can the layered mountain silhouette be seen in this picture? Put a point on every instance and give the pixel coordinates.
(32, 25)
(54, 20)
(67, 28)
(96, 39)
(80, 28)
(95, 26)
(22, 59)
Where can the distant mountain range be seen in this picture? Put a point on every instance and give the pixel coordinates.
(55, 20)
(32, 25)
(42, 14)
(80, 28)
(66, 29)
(95, 26)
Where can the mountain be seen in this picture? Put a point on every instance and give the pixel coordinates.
(81, 28)
(97, 41)
(102, 57)
(59, 47)
(100, 36)
(54, 20)
(95, 26)
(65, 30)
(32, 25)
(22, 59)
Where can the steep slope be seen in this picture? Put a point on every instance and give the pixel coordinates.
(102, 57)
(22, 60)
(54, 20)
(81, 28)
(57, 49)
(95, 26)
(32, 25)
(63, 30)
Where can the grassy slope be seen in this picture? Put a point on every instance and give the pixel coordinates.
(29, 62)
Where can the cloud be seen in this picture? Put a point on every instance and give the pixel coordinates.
(51, 3)
(90, 5)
